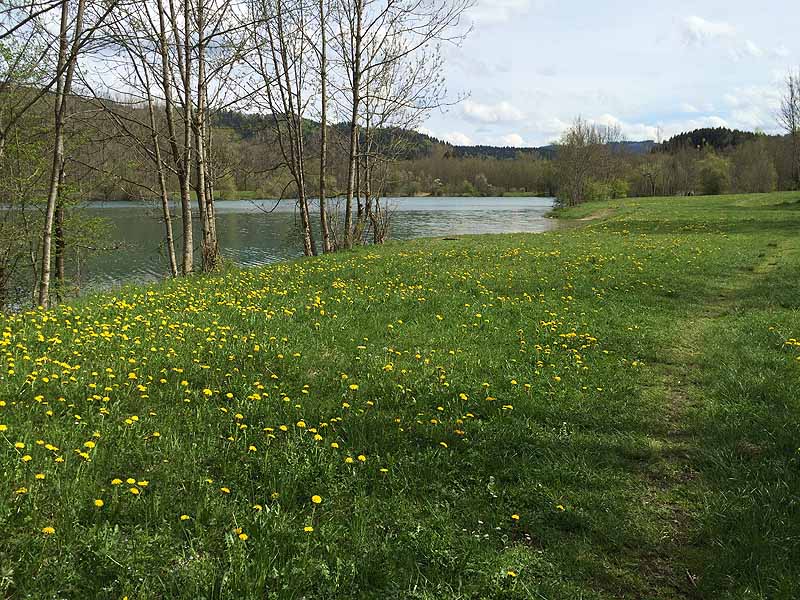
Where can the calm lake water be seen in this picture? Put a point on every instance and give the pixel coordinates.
(250, 236)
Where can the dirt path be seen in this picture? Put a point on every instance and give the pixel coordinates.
(673, 483)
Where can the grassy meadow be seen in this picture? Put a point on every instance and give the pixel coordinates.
(603, 411)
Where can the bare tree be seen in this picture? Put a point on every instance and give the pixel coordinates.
(789, 120)
(70, 32)
(584, 156)
(280, 57)
(365, 31)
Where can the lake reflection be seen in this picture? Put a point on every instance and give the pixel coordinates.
(259, 232)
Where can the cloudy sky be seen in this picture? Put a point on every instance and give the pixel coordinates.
(530, 66)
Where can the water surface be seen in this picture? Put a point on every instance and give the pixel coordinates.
(257, 232)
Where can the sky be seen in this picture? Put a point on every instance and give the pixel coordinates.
(530, 67)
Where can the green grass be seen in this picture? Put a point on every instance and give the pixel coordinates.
(609, 411)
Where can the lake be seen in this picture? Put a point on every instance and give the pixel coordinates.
(251, 236)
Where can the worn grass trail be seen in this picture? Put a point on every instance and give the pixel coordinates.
(724, 477)
(608, 411)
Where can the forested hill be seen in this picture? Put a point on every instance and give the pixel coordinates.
(415, 145)
(718, 138)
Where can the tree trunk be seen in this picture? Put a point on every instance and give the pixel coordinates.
(323, 143)
(353, 152)
(66, 64)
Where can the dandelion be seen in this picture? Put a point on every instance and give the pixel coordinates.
(3, 427)
(243, 536)
(27, 458)
(134, 491)
(258, 507)
(48, 530)
(99, 503)
(116, 482)
(308, 529)
(511, 573)
(90, 444)
(225, 490)
(354, 386)
(349, 460)
(316, 499)
(185, 517)
(362, 458)
(515, 517)
(39, 476)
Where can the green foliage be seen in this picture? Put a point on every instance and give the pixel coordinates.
(714, 174)
(715, 138)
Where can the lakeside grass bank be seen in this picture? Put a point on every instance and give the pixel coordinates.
(609, 411)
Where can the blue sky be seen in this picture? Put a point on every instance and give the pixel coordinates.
(529, 67)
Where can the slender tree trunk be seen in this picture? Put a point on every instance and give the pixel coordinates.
(66, 64)
(187, 254)
(205, 203)
(162, 188)
(323, 143)
(185, 67)
(60, 244)
(353, 153)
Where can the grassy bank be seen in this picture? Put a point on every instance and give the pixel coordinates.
(608, 411)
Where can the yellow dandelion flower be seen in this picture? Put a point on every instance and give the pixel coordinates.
(362, 458)
(225, 490)
(116, 482)
(316, 499)
(39, 476)
(243, 537)
(134, 491)
(185, 517)
(308, 529)
(515, 517)
(48, 530)
(99, 503)
(27, 458)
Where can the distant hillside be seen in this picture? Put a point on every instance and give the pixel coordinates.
(498, 152)
(416, 145)
(719, 138)
(644, 147)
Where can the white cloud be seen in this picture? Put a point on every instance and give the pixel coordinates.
(753, 50)
(457, 139)
(494, 12)
(685, 107)
(512, 139)
(697, 31)
(781, 52)
(502, 112)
